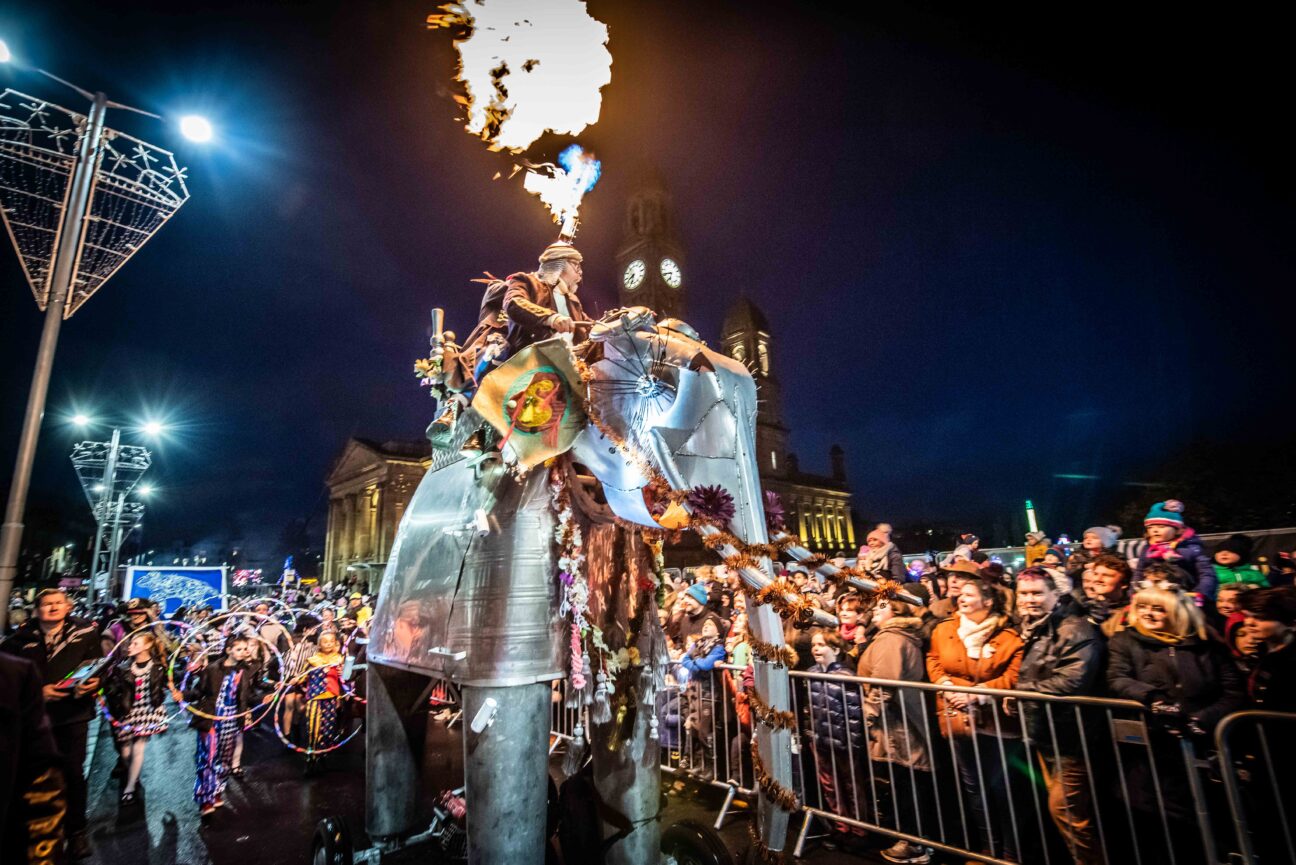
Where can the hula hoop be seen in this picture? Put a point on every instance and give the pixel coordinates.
(311, 752)
(198, 629)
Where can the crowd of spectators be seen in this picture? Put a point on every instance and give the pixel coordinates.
(1189, 633)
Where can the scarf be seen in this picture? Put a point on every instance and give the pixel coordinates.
(703, 646)
(975, 635)
(1166, 550)
(875, 561)
(1165, 637)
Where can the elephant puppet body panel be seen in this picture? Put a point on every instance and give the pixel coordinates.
(492, 598)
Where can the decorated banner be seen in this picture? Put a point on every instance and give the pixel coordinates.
(176, 587)
(535, 401)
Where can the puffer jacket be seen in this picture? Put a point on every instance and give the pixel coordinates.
(1187, 552)
(1198, 675)
(896, 718)
(836, 715)
(1064, 656)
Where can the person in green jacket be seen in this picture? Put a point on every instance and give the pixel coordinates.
(1233, 563)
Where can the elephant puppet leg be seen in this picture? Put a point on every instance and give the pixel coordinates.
(630, 788)
(394, 743)
(507, 771)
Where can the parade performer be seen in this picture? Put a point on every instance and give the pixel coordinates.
(135, 693)
(323, 687)
(220, 693)
(531, 307)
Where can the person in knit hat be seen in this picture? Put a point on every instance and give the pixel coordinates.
(1233, 563)
(1097, 541)
(1171, 541)
(879, 558)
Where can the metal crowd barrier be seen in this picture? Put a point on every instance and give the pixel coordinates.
(1039, 779)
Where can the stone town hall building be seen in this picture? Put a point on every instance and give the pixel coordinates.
(371, 483)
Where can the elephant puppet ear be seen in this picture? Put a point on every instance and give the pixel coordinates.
(701, 363)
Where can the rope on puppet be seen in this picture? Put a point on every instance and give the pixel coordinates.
(781, 796)
(767, 714)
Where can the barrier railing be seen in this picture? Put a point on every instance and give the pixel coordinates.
(997, 776)
(1257, 774)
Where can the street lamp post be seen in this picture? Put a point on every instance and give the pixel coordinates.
(76, 205)
(104, 215)
(101, 511)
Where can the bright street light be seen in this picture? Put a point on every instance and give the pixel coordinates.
(98, 488)
(196, 128)
(80, 420)
(146, 490)
(152, 428)
(5, 54)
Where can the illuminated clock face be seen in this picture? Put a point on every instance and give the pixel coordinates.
(634, 275)
(671, 273)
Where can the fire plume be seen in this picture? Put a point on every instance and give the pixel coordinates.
(528, 67)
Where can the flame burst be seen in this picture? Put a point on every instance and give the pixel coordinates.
(528, 67)
(561, 187)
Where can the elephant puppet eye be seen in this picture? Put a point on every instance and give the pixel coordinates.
(701, 363)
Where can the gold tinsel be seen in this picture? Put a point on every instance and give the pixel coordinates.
(784, 655)
(767, 714)
(771, 857)
(781, 796)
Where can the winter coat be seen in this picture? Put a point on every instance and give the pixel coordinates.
(1226, 575)
(701, 662)
(669, 720)
(79, 642)
(119, 687)
(1187, 552)
(1198, 675)
(896, 718)
(836, 714)
(1063, 655)
(1036, 551)
(892, 569)
(1271, 684)
(949, 662)
(31, 807)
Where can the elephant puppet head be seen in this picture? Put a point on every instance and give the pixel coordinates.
(687, 410)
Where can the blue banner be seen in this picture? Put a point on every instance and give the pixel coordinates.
(174, 587)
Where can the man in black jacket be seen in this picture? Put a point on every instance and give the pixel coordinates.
(1063, 656)
(58, 644)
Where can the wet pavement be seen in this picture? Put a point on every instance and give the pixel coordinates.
(271, 814)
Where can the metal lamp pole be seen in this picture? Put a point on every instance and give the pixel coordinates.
(71, 234)
(101, 512)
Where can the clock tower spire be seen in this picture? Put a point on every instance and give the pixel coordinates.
(650, 259)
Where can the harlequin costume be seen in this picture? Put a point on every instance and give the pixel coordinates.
(221, 694)
(323, 688)
(136, 697)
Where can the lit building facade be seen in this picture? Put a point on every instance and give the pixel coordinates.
(369, 488)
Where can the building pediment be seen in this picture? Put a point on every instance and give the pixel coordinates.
(357, 458)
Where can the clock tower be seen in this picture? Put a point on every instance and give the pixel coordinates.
(650, 263)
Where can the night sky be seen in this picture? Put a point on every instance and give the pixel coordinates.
(994, 249)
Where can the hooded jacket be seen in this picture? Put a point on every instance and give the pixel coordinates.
(896, 718)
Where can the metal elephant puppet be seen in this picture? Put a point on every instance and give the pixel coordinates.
(533, 561)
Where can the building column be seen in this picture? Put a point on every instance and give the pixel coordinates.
(330, 542)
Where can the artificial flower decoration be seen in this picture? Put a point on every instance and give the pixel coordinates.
(712, 505)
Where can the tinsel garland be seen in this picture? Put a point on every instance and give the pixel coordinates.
(766, 855)
(571, 564)
(773, 790)
(767, 714)
(783, 655)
